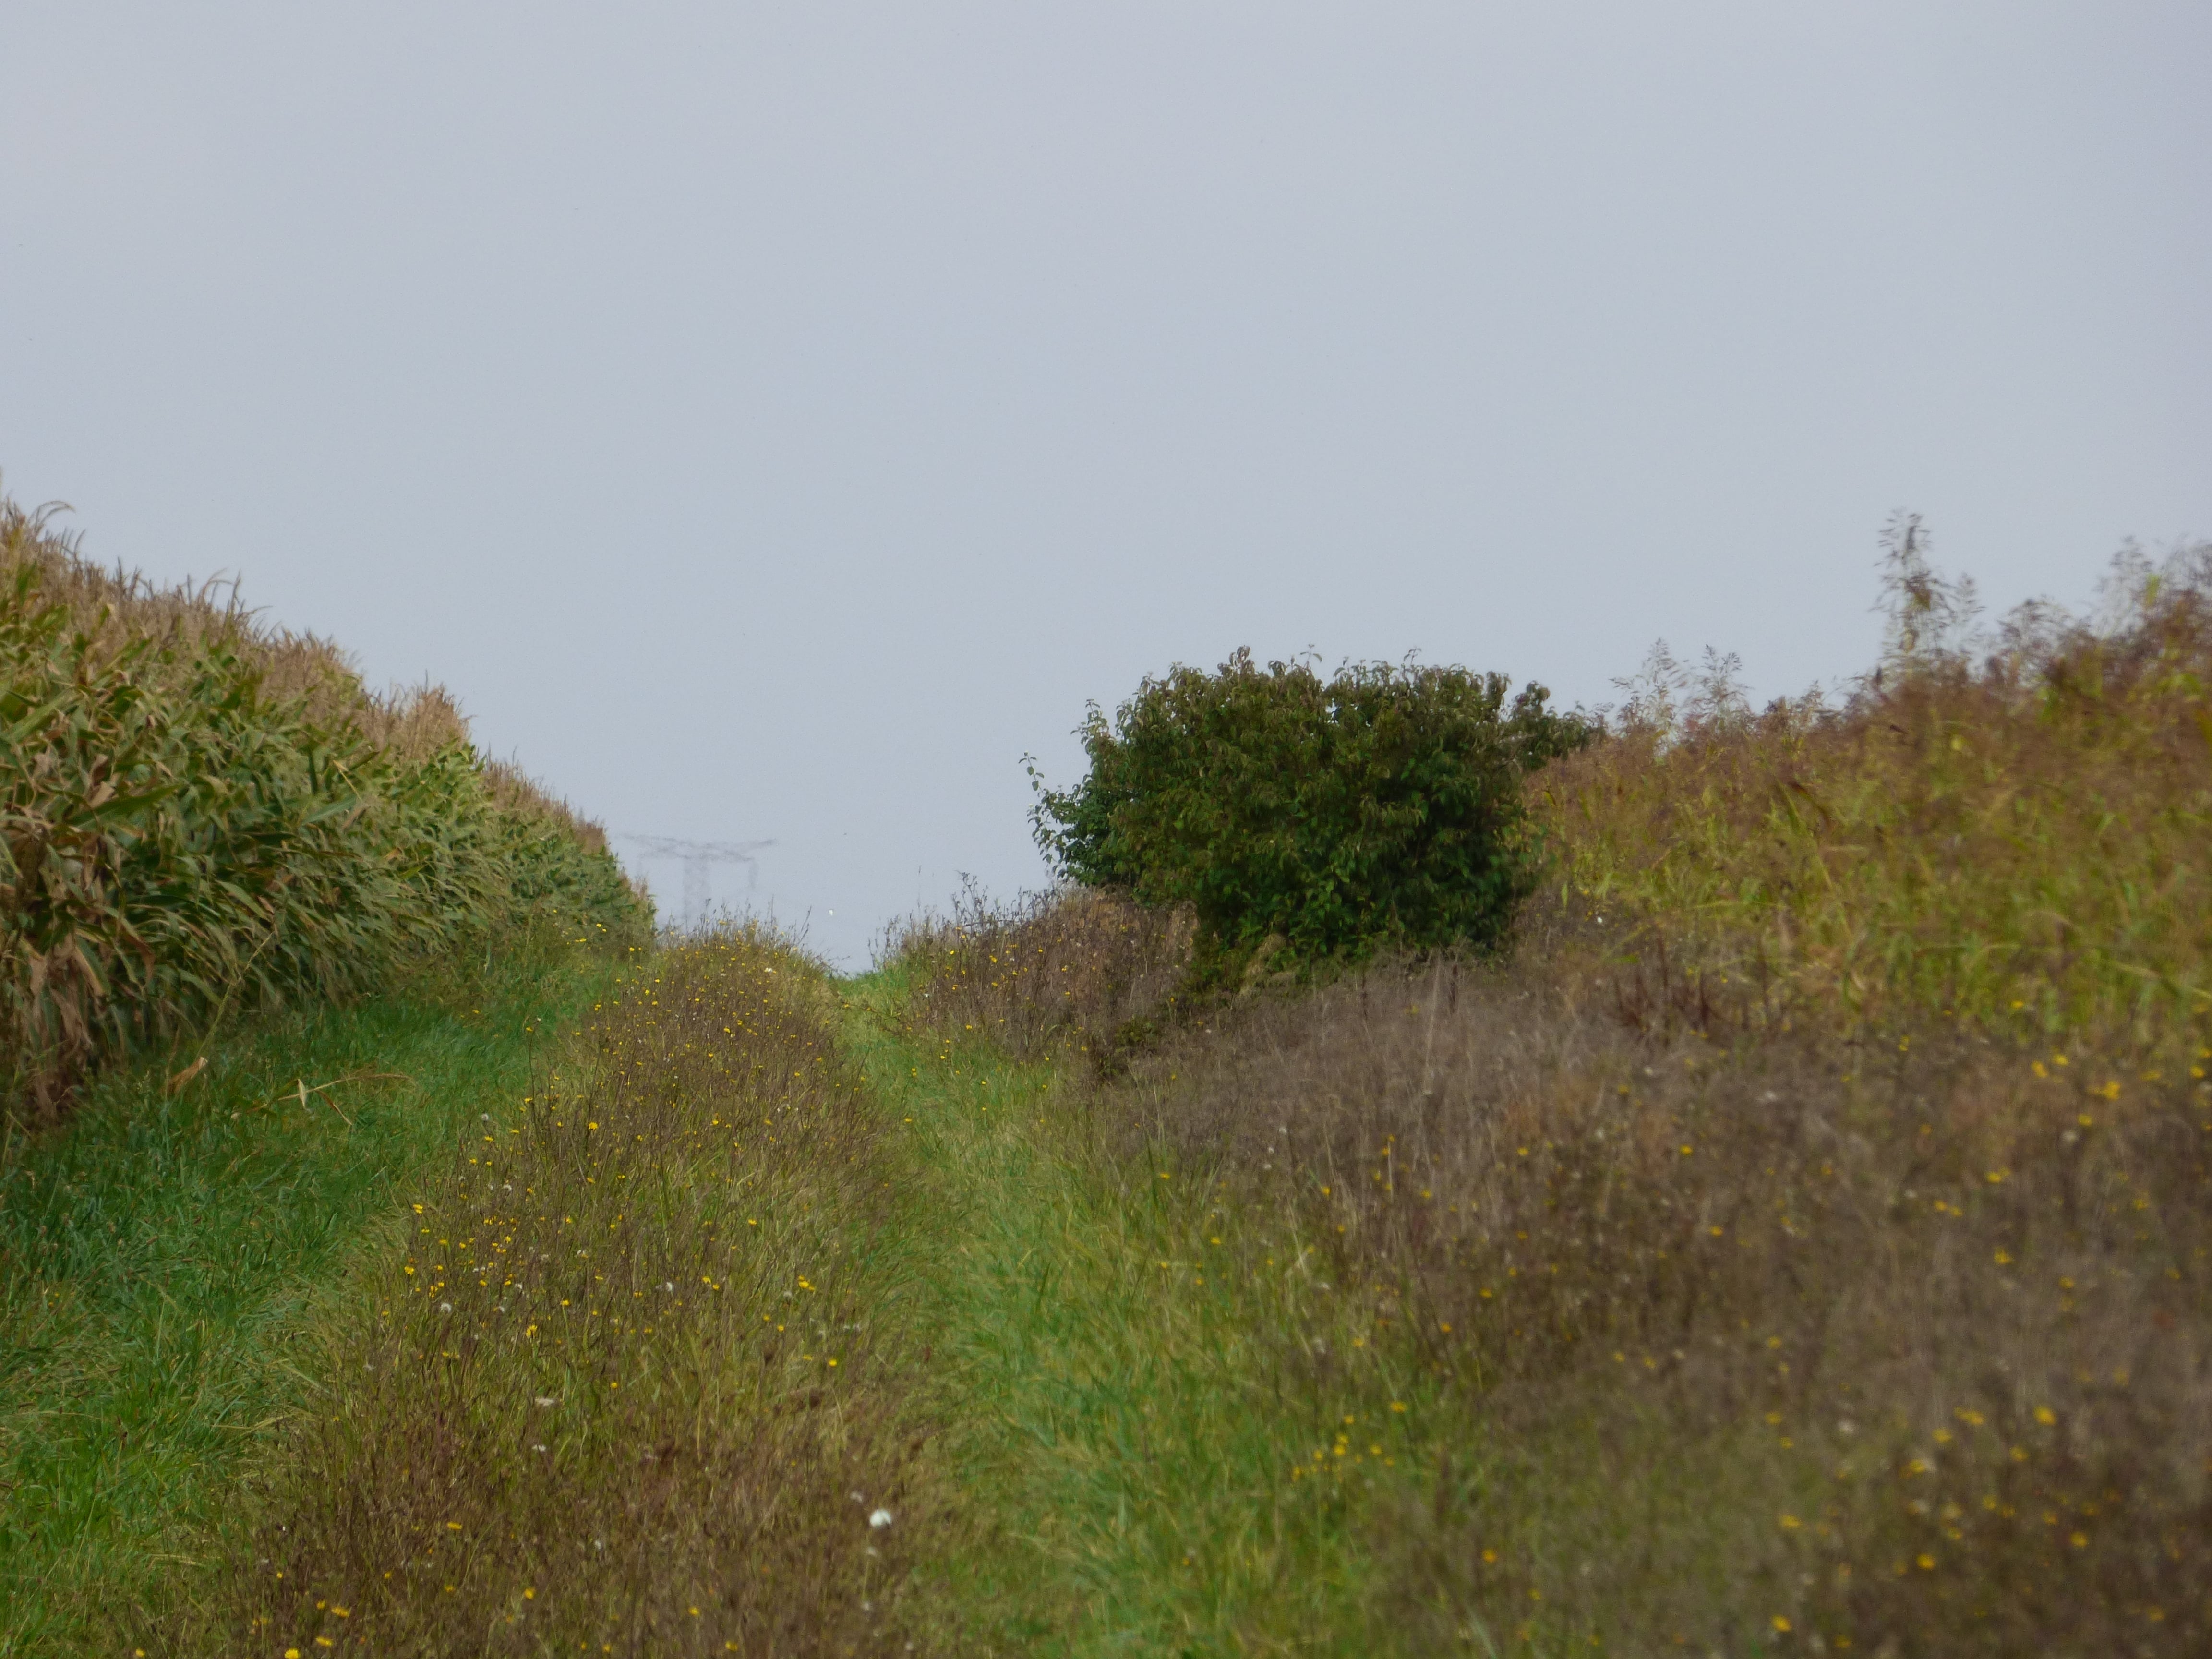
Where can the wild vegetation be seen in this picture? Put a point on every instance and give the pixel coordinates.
(166, 1256)
(2008, 829)
(199, 814)
(1443, 1176)
(618, 1388)
(1805, 1229)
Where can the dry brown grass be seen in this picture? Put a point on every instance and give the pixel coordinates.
(1070, 970)
(1903, 1341)
(619, 1388)
(1812, 1222)
(1902, 1338)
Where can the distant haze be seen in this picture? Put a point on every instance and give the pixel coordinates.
(773, 421)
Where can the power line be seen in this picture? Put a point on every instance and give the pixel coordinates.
(699, 857)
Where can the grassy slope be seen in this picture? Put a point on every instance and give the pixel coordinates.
(159, 1257)
(1135, 1465)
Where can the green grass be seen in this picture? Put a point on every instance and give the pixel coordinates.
(1125, 1382)
(1117, 1405)
(619, 1386)
(161, 1257)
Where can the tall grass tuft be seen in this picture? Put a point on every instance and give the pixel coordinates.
(198, 814)
(1066, 970)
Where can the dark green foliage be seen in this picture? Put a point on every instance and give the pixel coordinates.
(1381, 805)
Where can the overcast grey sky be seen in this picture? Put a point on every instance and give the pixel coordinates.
(773, 421)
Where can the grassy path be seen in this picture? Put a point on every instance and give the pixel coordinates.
(1129, 1383)
(1158, 1429)
(161, 1256)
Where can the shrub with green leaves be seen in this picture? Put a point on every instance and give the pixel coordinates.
(1382, 806)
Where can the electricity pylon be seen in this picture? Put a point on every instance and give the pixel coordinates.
(697, 856)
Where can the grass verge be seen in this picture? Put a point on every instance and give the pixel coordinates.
(1125, 1462)
(161, 1259)
(619, 1387)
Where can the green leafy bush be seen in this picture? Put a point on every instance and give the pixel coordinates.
(1382, 806)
